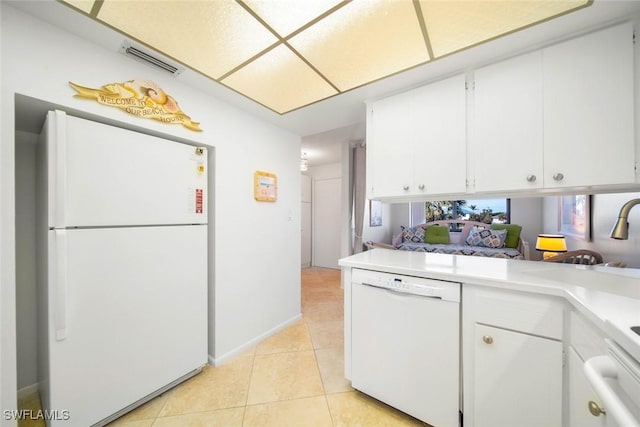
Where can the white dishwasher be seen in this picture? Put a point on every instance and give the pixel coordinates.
(405, 337)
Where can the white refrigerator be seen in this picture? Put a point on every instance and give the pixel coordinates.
(122, 264)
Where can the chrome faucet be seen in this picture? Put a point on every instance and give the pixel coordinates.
(620, 230)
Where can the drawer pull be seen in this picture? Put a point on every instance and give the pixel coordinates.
(595, 409)
(531, 178)
(405, 188)
(488, 339)
(558, 176)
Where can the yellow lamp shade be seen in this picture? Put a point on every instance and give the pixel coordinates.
(551, 244)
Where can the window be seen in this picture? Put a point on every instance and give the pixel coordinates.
(482, 210)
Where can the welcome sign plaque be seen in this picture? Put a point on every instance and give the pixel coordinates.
(142, 98)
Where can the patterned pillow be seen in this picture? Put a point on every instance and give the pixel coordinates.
(486, 237)
(412, 234)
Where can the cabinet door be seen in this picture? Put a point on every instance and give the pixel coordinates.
(389, 155)
(588, 110)
(439, 135)
(506, 150)
(517, 379)
(580, 394)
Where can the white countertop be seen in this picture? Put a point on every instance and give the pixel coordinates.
(609, 297)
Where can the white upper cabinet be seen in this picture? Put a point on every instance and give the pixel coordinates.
(439, 151)
(389, 146)
(416, 144)
(506, 152)
(588, 110)
(558, 119)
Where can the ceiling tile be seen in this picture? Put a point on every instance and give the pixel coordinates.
(83, 5)
(213, 37)
(286, 16)
(280, 80)
(453, 25)
(364, 41)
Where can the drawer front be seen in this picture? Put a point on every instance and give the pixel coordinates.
(528, 313)
(585, 338)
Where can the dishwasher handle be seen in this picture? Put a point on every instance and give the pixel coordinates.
(600, 370)
(444, 293)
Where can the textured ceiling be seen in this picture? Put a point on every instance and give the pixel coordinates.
(287, 54)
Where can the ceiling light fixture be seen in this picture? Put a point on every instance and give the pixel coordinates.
(285, 56)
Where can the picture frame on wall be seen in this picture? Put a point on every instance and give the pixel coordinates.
(574, 216)
(265, 186)
(375, 213)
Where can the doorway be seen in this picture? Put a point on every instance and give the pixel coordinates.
(326, 222)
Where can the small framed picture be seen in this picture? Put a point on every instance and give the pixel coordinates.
(375, 213)
(265, 186)
(574, 216)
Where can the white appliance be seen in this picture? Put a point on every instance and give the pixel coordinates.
(615, 377)
(123, 268)
(405, 344)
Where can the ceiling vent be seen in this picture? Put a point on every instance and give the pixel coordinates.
(147, 57)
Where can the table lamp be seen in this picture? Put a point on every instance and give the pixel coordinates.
(551, 244)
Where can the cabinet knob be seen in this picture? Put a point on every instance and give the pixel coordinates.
(531, 178)
(421, 186)
(405, 188)
(487, 339)
(558, 176)
(595, 409)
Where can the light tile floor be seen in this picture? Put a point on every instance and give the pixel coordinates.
(293, 378)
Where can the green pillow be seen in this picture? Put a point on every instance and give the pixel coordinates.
(436, 234)
(513, 234)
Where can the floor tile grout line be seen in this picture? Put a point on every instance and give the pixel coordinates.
(198, 412)
(326, 401)
(324, 388)
(271, 402)
(246, 399)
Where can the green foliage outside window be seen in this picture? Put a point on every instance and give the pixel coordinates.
(458, 209)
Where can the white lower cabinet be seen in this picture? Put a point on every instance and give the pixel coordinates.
(582, 398)
(585, 342)
(517, 379)
(512, 359)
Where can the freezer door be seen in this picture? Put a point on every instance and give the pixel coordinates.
(127, 315)
(101, 175)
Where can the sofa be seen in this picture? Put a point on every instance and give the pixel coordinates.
(459, 237)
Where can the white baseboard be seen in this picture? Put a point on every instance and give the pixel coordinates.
(27, 391)
(244, 347)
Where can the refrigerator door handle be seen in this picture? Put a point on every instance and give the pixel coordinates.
(60, 285)
(57, 168)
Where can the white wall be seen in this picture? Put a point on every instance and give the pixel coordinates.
(528, 213)
(381, 233)
(604, 212)
(256, 257)
(27, 351)
(328, 171)
(305, 220)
